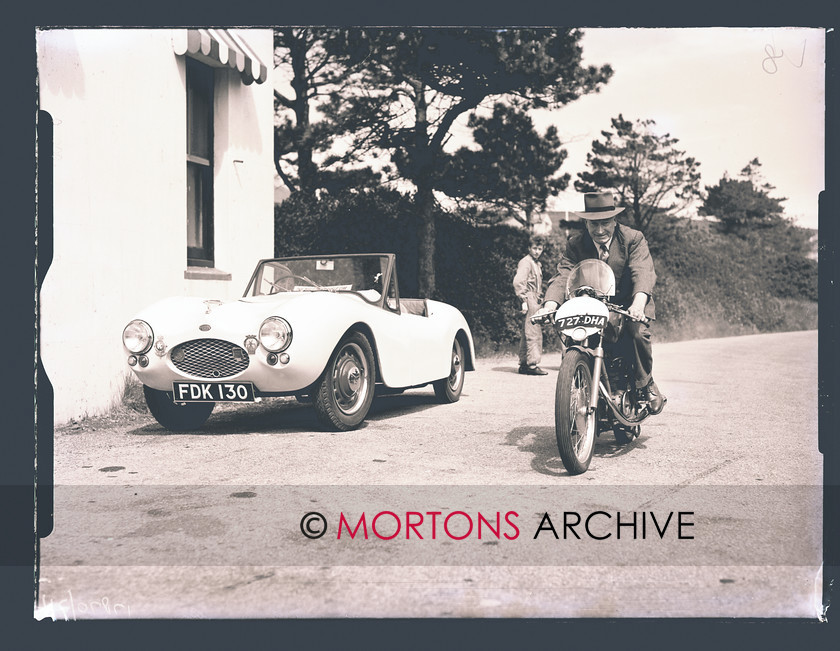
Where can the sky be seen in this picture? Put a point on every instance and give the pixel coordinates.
(729, 95)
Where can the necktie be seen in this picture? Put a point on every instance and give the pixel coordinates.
(603, 252)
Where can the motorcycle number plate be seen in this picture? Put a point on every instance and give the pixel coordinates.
(582, 320)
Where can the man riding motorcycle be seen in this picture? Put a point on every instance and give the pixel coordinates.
(625, 250)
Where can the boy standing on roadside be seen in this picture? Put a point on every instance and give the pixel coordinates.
(527, 283)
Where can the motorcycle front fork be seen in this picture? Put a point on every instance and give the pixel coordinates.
(597, 367)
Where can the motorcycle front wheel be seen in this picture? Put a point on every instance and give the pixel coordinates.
(574, 425)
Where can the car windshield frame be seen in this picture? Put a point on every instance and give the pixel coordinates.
(362, 274)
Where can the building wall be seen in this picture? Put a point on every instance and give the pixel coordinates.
(118, 103)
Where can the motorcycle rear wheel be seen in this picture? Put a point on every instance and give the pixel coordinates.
(574, 425)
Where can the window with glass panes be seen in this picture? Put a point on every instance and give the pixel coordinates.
(199, 164)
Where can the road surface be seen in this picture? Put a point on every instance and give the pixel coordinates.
(719, 499)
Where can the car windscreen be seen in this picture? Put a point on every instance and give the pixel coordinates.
(363, 274)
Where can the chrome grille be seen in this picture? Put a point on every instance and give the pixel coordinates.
(209, 358)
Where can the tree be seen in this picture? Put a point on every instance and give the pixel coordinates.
(303, 128)
(648, 173)
(514, 167)
(418, 81)
(745, 203)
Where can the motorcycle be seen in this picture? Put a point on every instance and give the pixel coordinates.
(596, 389)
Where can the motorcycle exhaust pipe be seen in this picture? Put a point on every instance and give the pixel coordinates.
(616, 410)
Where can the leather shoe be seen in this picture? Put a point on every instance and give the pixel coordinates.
(656, 401)
(532, 370)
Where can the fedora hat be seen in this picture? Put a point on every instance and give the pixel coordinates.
(598, 205)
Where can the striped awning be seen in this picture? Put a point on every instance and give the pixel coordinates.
(221, 48)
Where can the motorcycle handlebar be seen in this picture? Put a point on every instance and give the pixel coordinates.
(620, 310)
(546, 318)
(541, 318)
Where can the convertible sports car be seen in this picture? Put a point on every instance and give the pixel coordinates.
(325, 329)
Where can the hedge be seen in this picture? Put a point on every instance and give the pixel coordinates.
(709, 283)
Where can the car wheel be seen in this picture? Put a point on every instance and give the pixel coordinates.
(175, 416)
(345, 390)
(449, 389)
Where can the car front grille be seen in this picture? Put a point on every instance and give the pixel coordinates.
(209, 358)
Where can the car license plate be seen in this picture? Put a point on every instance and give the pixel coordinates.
(212, 392)
(582, 320)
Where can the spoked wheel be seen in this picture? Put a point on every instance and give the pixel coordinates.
(449, 389)
(176, 416)
(345, 390)
(574, 425)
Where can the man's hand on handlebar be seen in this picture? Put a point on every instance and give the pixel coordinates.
(543, 314)
(637, 307)
(546, 308)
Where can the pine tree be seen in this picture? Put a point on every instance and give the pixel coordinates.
(515, 167)
(645, 169)
(417, 82)
(744, 203)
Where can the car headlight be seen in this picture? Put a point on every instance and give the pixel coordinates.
(138, 336)
(275, 334)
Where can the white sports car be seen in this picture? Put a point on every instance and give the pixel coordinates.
(324, 329)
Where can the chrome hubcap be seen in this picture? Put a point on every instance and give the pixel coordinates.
(350, 379)
(457, 369)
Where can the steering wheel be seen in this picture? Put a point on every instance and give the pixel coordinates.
(277, 287)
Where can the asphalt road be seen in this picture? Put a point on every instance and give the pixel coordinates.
(207, 524)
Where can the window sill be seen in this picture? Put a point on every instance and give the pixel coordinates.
(206, 273)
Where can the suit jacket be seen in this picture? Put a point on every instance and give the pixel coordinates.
(629, 259)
